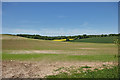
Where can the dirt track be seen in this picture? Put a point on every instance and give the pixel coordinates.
(29, 69)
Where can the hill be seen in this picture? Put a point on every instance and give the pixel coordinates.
(97, 40)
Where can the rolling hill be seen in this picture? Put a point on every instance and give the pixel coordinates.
(97, 40)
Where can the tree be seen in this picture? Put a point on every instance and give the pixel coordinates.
(84, 35)
(67, 39)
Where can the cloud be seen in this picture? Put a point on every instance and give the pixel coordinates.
(49, 31)
(84, 28)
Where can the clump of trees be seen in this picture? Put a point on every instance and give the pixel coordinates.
(42, 37)
(66, 37)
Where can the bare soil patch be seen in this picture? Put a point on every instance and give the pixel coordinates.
(34, 51)
(10, 37)
(39, 69)
(44, 52)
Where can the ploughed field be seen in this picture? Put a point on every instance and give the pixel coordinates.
(32, 58)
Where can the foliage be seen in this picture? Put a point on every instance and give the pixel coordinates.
(64, 37)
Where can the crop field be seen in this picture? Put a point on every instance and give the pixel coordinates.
(97, 40)
(32, 58)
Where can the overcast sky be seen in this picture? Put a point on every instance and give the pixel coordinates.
(60, 18)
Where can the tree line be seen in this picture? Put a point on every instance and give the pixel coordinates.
(64, 37)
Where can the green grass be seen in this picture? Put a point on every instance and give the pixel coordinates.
(104, 73)
(58, 57)
(97, 40)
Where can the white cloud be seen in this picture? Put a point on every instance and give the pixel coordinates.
(49, 31)
(84, 28)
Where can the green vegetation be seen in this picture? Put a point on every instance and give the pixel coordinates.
(80, 73)
(65, 37)
(97, 40)
(59, 57)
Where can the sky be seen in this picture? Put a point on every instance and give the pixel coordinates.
(60, 0)
(59, 18)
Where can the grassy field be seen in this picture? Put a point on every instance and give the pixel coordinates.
(68, 50)
(97, 40)
(24, 49)
(59, 57)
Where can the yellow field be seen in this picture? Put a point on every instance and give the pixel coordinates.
(62, 39)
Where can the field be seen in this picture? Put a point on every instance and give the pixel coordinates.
(23, 57)
(97, 40)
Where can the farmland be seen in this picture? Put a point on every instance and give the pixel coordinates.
(25, 57)
(97, 40)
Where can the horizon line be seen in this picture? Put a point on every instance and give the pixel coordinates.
(56, 35)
